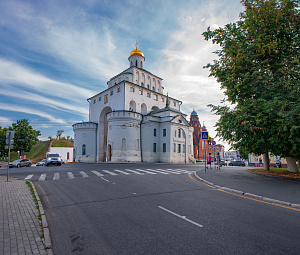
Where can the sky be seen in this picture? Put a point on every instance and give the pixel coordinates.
(56, 54)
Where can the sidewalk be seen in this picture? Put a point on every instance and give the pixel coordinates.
(238, 178)
(20, 228)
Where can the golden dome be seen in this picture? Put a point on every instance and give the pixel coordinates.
(136, 52)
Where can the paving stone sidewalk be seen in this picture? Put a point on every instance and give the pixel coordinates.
(20, 227)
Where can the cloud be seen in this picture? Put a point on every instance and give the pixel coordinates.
(17, 108)
(4, 121)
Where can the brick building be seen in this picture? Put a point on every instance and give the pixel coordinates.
(198, 144)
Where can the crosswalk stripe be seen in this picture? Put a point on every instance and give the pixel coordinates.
(122, 172)
(171, 171)
(56, 176)
(97, 173)
(42, 177)
(29, 177)
(83, 174)
(70, 175)
(109, 172)
(144, 171)
(135, 172)
(182, 170)
(157, 171)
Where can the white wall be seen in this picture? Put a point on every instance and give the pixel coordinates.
(63, 151)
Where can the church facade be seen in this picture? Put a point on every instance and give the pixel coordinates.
(134, 121)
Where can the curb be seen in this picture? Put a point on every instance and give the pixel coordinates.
(246, 194)
(46, 239)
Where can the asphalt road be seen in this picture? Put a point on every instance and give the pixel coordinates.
(166, 212)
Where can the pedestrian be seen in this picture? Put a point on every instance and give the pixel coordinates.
(209, 160)
(260, 162)
(218, 160)
(278, 163)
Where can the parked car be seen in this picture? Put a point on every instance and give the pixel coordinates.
(237, 163)
(0, 164)
(41, 163)
(20, 163)
(53, 159)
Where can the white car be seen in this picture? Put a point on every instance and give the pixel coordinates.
(41, 163)
(53, 159)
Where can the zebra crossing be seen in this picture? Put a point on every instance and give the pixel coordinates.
(101, 173)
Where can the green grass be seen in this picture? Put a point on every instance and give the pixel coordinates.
(62, 143)
(36, 154)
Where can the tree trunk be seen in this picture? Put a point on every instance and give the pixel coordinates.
(266, 161)
(292, 166)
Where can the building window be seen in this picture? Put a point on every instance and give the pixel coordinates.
(83, 149)
(123, 144)
(153, 88)
(111, 92)
(164, 132)
(94, 101)
(142, 84)
(141, 92)
(162, 99)
(154, 132)
(154, 147)
(179, 148)
(179, 133)
(148, 94)
(174, 103)
(131, 89)
(156, 97)
(99, 98)
(148, 86)
(175, 133)
(119, 89)
(174, 144)
(164, 147)
(106, 99)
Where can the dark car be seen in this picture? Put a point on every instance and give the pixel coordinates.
(20, 163)
(237, 163)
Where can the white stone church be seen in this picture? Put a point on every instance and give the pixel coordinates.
(134, 121)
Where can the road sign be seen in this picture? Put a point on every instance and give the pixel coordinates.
(204, 135)
(213, 143)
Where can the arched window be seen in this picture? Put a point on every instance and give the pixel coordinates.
(136, 63)
(141, 64)
(83, 149)
(144, 108)
(123, 144)
(131, 63)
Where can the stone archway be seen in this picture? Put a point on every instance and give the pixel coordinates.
(103, 127)
(132, 106)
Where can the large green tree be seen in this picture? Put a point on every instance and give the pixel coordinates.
(25, 136)
(258, 66)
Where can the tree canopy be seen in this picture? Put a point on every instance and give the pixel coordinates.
(25, 136)
(258, 67)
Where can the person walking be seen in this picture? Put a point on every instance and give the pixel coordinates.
(209, 160)
(218, 160)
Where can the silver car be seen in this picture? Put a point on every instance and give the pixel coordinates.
(53, 159)
(20, 163)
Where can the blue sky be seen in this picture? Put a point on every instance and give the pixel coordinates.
(56, 54)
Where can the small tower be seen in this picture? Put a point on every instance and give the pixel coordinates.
(136, 58)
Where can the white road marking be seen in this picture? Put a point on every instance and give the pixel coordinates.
(104, 179)
(144, 171)
(181, 217)
(122, 172)
(157, 171)
(42, 177)
(171, 171)
(70, 175)
(97, 173)
(56, 176)
(135, 172)
(29, 177)
(109, 172)
(84, 175)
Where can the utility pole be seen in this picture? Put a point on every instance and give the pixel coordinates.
(9, 145)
